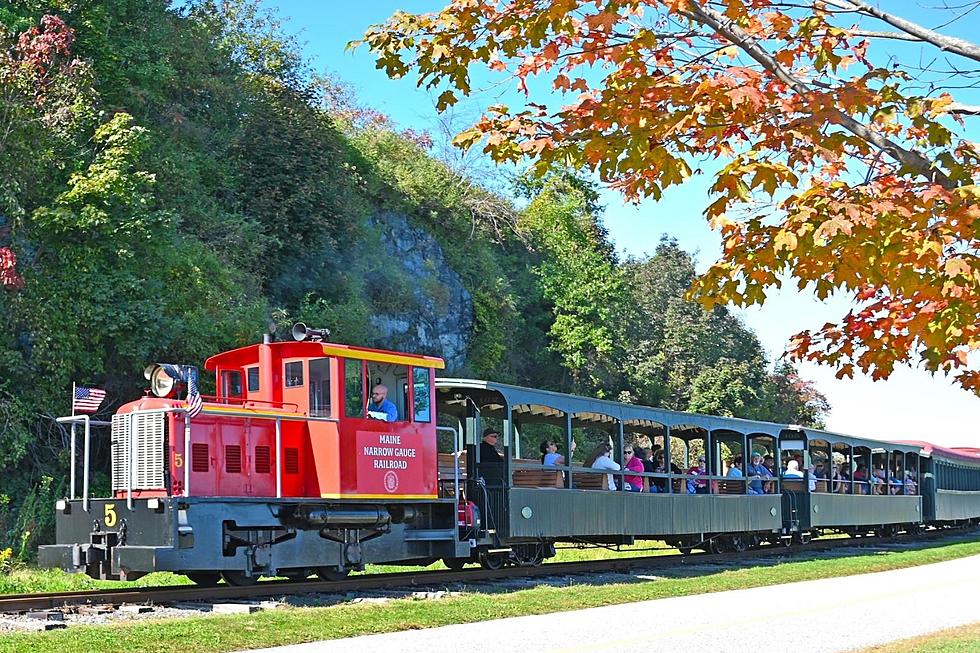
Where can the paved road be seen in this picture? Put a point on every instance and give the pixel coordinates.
(821, 616)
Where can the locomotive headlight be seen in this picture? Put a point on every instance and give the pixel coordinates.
(161, 383)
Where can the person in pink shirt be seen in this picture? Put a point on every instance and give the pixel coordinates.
(632, 463)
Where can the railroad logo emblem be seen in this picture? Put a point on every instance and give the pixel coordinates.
(391, 481)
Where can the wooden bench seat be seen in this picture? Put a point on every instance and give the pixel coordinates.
(538, 478)
(793, 485)
(588, 481)
(731, 487)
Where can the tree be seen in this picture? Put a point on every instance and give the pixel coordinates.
(847, 171)
(580, 277)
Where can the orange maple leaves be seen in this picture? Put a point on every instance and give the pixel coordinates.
(836, 172)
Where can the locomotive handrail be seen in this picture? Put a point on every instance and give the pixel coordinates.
(215, 399)
(88, 422)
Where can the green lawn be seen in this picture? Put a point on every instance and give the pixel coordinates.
(213, 634)
(965, 639)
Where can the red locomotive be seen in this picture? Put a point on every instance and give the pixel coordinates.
(293, 466)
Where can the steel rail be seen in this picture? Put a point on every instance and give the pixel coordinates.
(182, 593)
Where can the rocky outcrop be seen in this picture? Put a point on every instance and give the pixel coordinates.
(439, 320)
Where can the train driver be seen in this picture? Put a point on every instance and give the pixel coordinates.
(380, 407)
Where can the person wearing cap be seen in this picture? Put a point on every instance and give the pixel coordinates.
(488, 447)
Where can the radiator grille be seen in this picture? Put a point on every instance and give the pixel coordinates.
(233, 459)
(263, 463)
(143, 436)
(199, 457)
(291, 461)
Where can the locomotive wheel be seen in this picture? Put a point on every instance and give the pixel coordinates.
(204, 578)
(685, 550)
(802, 538)
(331, 573)
(454, 563)
(238, 578)
(492, 561)
(717, 545)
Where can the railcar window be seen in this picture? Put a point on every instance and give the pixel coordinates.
(294, 374)
(320, 388)
(231, 383)
(252, 379)
(354, 387)
(421, 394)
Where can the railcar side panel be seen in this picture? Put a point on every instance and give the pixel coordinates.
(550, 512)
(957, 504)
(832, 510)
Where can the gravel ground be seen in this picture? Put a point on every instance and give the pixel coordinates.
(822, 616)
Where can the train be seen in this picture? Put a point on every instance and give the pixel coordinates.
(295, 467)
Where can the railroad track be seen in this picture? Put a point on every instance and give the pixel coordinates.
(183, 593)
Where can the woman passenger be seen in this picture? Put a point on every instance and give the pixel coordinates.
(600, 459)
(632, 463)
(550, 455)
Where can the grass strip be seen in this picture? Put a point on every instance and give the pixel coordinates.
(24, 579)
(213, 634)
(964, 639)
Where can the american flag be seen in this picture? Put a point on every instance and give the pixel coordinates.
(194, 402)
(87, 400)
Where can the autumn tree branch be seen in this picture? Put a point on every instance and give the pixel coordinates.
(946, 43)
(739, 37)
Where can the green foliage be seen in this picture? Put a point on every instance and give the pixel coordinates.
(580, 279)
(186, 178)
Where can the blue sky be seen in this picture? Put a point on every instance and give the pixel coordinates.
(910, 405)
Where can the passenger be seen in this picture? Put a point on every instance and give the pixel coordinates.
(550, 455)
(488, 447)
(910, 485)
(649, 466)
(878, 481)
(380, 407)
(757, 468)
(836, 486)
(895, 482)
(632, 463)
(861, 479)
(817, 474)
(845, 478)
(600, 459)
(770, 463)
(735, 467)
(694, 485)
(792, 469)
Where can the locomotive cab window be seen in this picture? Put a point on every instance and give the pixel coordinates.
(231, 385)
(320, 388)
(421, 395)
(354, 387)
(294, 374)
(393, 380)
(252, 378)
